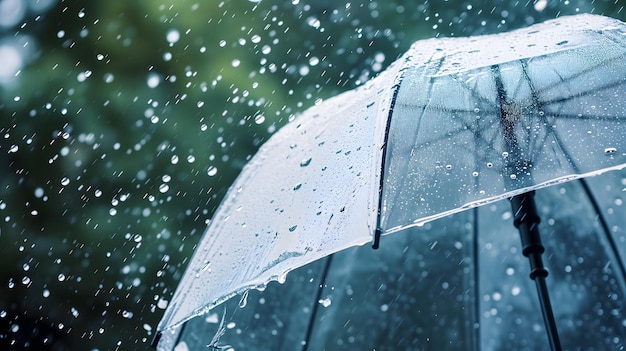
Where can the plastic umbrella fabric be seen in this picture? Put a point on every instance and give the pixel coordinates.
(456, 283)
(431, 136)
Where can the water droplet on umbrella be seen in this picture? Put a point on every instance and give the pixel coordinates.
(293, 228)
(610, 150)
(298, 186)
(305, 162)
(206, 266)
(325, 302)
(244, 300)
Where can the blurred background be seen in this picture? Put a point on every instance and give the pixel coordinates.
(122, 124)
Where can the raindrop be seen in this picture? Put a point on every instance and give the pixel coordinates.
(244, 299)
(610, 150)
(109, 77)
(304, 70)
(305, 162)
(212, 171)
(259, 119)
(153, 80)
(65, 181)
(162, 304)
(174, 159)
(172, 36)
(540, 5)
(325, 302)
(206, 267)
(61, 277)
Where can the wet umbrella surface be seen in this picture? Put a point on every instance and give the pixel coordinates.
(452, 125)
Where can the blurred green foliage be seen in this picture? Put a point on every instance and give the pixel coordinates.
(129, 121)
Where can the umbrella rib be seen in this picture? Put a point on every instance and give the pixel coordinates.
(581, 94)
(378, 231)
(315, 307)
(618, 119)
(439, 63)
(607, 231)
(581, 72)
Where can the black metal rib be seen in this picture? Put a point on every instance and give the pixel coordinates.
(377, 232)
(605, 227)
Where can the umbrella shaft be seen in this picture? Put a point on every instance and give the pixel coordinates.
(548, 316)
(526, 220)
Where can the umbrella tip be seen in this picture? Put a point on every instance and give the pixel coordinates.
(376, 242)
(155, 340)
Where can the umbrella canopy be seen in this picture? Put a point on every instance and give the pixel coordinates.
(456, 283)
(431, 136)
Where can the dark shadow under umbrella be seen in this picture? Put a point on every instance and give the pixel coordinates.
(453, 125)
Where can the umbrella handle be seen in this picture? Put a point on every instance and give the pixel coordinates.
(526, 220)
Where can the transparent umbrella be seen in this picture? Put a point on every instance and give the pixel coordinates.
(452, 125)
